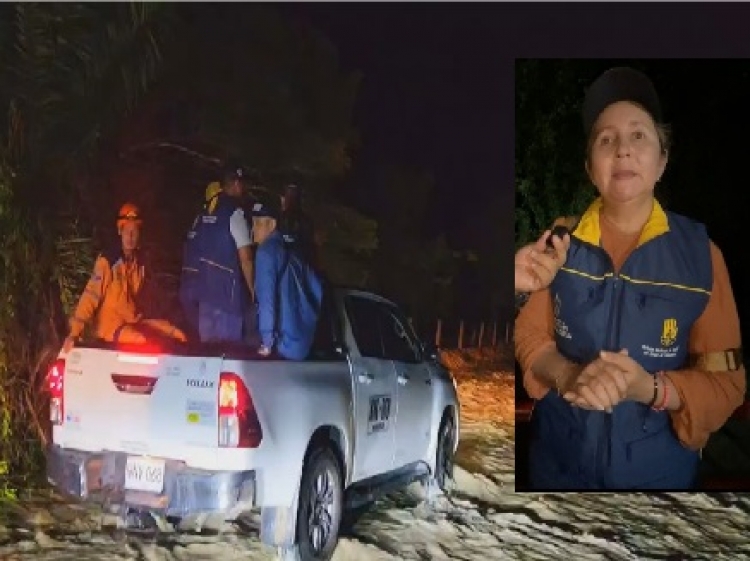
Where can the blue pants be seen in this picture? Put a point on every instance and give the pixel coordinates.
(190, 311)
(217, 325)
(251, 334)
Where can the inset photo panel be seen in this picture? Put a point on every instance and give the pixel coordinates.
(629, 275)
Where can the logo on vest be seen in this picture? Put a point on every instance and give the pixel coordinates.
(561, 328)
(668, 338)
(669, 332)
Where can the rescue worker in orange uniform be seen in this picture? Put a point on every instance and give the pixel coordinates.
(109, 303)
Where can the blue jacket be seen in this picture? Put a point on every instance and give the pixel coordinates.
(221, 282)
(289, 294)
(647, 308)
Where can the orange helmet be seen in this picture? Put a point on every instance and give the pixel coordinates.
(128, 213)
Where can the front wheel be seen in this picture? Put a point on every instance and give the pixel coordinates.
(320, 506)
(442, 477)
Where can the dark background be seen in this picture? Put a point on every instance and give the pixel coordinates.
(431, 99)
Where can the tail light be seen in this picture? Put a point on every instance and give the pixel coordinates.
(238, 423)
(56, 379)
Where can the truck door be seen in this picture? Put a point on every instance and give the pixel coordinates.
(414, 395)
(374, 392)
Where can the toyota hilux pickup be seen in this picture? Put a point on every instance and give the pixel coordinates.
(196, 433)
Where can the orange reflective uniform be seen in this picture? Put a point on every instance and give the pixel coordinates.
(109, 304)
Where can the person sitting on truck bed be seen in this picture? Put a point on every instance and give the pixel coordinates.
(109, 302)
(191, 260)
(225, 286)
(288, 290)
(297, 226)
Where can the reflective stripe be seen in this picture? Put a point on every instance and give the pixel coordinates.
(720, 361)
(214, 264)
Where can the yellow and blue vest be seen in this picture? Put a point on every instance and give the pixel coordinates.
(648, 308)
(221, 282)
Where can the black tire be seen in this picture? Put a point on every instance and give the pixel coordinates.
(321, 483)
(444, 456)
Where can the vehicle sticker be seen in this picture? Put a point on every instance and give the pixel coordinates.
(379, 414)
(201, 412)
(203, 384)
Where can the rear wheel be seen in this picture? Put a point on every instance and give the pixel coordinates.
(320, 506)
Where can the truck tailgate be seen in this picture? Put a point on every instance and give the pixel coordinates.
(141, 404)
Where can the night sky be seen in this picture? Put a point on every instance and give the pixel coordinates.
(432, 97)
(437, 92)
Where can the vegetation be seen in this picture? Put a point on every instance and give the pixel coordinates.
(550, 176)
(69, 74)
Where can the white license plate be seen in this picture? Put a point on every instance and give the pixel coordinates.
(144, 474)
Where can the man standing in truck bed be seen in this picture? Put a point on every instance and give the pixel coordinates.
(225, 286)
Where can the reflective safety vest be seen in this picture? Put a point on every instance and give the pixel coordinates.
(648, 308)
(110, 298)
(221, 282)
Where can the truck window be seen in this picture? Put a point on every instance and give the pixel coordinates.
(327, 331)
(399, 341)
(364, 316)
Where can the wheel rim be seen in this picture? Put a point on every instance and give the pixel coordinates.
(445, 459)
(321, 510)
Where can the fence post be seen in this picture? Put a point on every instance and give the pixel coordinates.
(494, 334)
(507, 332)
(438, 332)
(481, 334)
(461, 335)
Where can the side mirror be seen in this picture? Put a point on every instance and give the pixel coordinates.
(431, 352)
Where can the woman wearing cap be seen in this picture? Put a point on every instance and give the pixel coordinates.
(633, 352)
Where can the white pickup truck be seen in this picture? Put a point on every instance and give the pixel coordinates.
(196, 434)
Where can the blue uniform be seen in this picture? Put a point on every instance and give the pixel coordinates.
(648, 308)
(289, 294)
(222, 291)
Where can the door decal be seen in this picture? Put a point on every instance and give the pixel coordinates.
(380, 413)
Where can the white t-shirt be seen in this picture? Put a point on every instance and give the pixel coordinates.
(239, 228)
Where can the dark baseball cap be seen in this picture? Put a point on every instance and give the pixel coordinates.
(267, 207)
(619, 84)
(233, 169)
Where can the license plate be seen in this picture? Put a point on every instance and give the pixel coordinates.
(144, 474)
